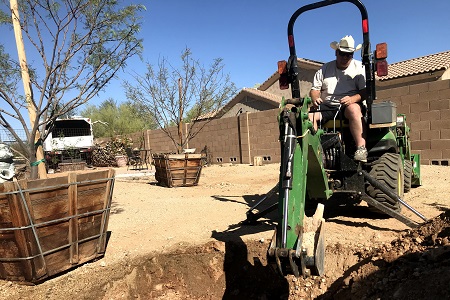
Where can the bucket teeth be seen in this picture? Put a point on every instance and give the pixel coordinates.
(308, 258)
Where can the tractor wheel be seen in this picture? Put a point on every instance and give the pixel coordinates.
(388, 170)
(408, 175)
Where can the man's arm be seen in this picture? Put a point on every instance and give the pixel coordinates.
(315, 97)
(363, 94)
(316, 88)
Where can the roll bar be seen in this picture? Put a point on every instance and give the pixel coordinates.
(366, 51)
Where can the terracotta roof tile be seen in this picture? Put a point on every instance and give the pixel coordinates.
(261, 94)
(424, 64)
(264, 94)
(207, 115)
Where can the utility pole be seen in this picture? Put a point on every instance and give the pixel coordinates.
(180, 115)
(42, 173)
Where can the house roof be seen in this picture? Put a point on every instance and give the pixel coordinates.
(419, 65)
(261, 95)
(207, 115)
(303, 63)
(425, 64)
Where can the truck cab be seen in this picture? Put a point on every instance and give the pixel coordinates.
(68, 140)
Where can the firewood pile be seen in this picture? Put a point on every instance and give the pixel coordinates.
(104, 155)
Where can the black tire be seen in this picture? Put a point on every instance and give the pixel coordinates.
(408, 175)
(388, 170)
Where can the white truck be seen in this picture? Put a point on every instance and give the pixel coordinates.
(69, 140)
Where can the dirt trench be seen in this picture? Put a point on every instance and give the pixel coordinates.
(414, 266)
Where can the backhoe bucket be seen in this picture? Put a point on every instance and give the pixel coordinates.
(308, 257)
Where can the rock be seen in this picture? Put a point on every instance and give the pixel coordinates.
(445, 241)
(347, 280)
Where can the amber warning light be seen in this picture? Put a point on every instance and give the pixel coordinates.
(282, 70)
(381, 51)
(282, 67)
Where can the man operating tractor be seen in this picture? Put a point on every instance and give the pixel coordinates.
(340, 87)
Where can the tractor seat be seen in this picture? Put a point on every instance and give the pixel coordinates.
(336, 124)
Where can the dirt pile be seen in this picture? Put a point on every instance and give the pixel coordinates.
(414, 266)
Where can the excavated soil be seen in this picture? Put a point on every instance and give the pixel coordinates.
(189, 243)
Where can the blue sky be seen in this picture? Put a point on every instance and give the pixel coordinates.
(251, 36)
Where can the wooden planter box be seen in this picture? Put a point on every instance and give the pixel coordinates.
(174, 170)
(48, 226)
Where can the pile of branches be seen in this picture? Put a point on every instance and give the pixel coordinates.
(105, 155)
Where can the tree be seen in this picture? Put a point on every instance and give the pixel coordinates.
(173, 95)
(110, 119)
(77, 47)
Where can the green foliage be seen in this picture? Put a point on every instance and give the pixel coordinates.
(110, 119)
(5, 18)
(9, 73)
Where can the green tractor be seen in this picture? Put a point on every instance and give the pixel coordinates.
(317, 165)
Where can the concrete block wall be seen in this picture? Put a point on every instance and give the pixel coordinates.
(221, 137)
(234, 140)
(427, 110)
(160, 142)
(239, 139)
(264, 135)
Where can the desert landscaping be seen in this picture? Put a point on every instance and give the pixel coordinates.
(190, 243)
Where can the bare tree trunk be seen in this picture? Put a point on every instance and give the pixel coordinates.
(33, 169)
(180, 116)
(37, 152)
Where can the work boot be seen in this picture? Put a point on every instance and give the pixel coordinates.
(361, 154)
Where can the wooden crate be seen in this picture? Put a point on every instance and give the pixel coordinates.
(74, 166)
(48, 226)
(174, 170)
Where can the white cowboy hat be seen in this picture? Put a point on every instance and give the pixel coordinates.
(346, 44)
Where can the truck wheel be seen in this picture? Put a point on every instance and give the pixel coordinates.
(408, 175)
(388, 170)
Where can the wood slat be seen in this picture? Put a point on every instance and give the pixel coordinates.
(73, 223)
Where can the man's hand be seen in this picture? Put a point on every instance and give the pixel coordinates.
(316, 102)
(347, 100)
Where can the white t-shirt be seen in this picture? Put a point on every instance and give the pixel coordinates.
(334, 83)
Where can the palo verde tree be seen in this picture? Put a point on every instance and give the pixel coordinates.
(173, 95)
(75, 49)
